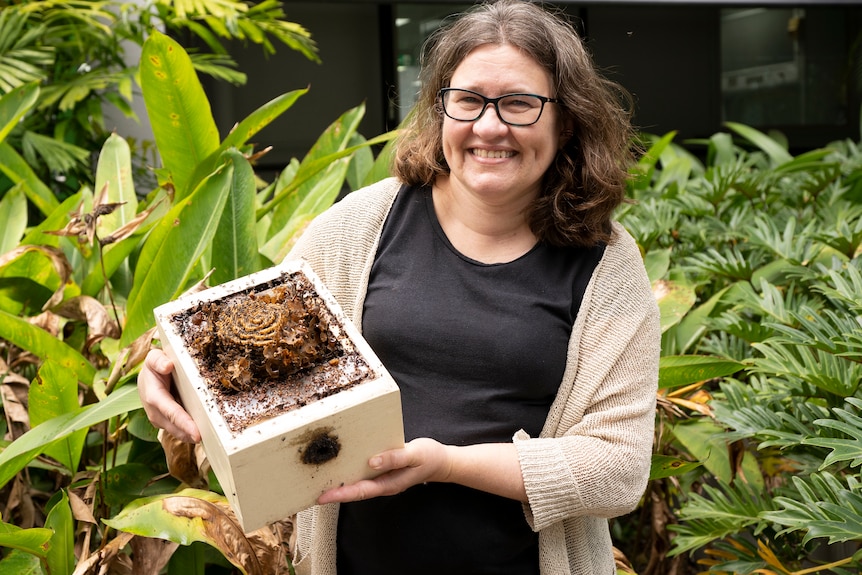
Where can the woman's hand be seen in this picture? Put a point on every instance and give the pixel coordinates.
(154, 386)
(491, 467)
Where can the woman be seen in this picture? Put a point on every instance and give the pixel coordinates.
(514, 314)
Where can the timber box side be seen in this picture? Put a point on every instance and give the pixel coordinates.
(277, 445)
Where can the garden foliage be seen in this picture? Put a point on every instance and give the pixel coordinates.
(755, 257)
(86, 484)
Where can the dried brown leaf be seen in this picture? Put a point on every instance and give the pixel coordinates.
(183, 460)
(90, 310)
(48, 321)
(150, 555)
(15, 405)
(81, 511)
(129, 227)
(270, 544)
(104, 558)
(221, 528)
(20, 503)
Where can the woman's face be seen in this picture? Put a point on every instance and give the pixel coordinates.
(488, 157)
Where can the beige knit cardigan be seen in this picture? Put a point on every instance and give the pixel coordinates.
(592, 459)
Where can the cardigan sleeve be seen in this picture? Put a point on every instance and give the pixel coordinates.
(594, 454)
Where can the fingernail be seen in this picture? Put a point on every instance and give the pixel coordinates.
(375, 462)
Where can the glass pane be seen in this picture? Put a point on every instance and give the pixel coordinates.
(784, 66)
(413, 24)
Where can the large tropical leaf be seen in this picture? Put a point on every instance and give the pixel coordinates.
(13, 218)
(114, 185)
(42, 344)
(179, 111)
(234, 247)
(14, 105)
(55, 393)
(174, 247)
(192, 515)
(22, 451)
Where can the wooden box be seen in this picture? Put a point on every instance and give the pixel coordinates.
(276, 446)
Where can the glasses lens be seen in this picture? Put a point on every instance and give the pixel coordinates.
(466, 106)
(462, 105)
(520, 109)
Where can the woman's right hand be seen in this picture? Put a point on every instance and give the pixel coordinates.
(155, 383)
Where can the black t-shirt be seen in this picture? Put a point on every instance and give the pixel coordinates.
(478, 352)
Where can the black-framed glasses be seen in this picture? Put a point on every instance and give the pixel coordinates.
(513, 109)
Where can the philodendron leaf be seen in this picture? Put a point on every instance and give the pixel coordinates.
(773, 149)
(61, 555)
(188, 516)
(668, 466)
(35, 541)
(21, 451)
(679, 370)
(179, 111)
(173, 249)
(54, 392)
(316, 164)
(674, 300)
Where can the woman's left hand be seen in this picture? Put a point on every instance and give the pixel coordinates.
(490, 467)
(419, 461)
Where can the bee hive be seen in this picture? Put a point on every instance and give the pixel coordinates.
(289, 398)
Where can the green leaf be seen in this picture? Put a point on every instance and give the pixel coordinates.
(247, 128)
(234, 246)
(314, 201)
(645, 168)
(54, 392)
(674, 300)
(706, 442)
(179, 112)
(35, 541)
(694, 324)
(61, 555)
(16, 169)
(20, 563)
(680, 370)
(42, 344)
(668, 466)
(114, 175)
(188, 516)
(657, 263)
(327, 150)
(14, 105)
(21, 451)
(173, 249)
(778, 154)
(127, 482)
(13, 218)
(382, 167)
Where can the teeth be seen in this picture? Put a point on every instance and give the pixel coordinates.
(493, 153)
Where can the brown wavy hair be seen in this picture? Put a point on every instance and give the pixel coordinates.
(587, 180)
